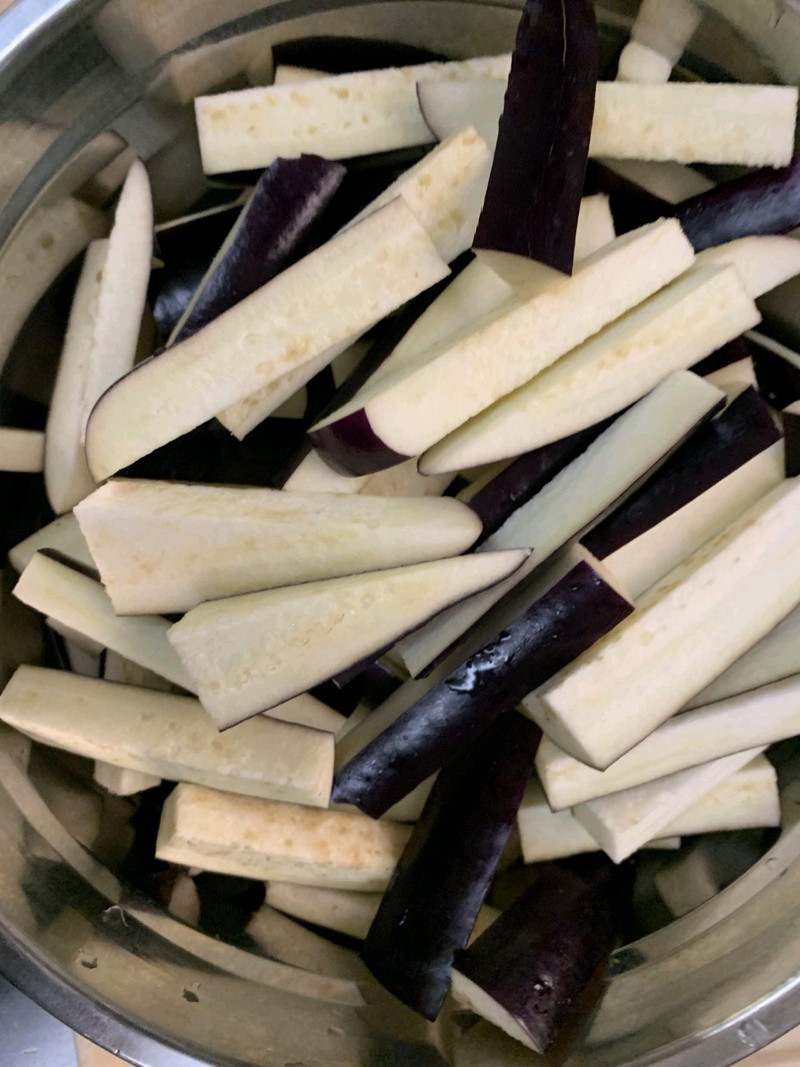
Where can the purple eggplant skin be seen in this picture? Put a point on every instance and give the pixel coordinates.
(714, 451)
(522, 479)
(791, 432)
(763, 202)
(430, 907)
(732, 352)
(778, 379)
(539, 956)
(276, 228)
(536, 183)
(631, 204)
(574, 613)
(351, 447)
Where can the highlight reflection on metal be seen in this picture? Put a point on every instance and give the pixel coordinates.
(85, 85)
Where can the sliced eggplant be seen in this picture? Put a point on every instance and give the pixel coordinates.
(762, 262)
(666, 26)
(117, 668)
(342, 910)
(640, 63)
(735, 377)
(686, 630)
(102, 337)
(413, 408)
(725, 356)
(82, 604)
(172, 545)
(595, 226)
(21, 451)
(569, 617)
(622, 822)
(287, 74)
(791, 429)
(536, 182)
(248, 654)
(443, 875)
(313, 475)
(122, 782)
(610, 468)
(274, 229)
(750, 720)
(168, 736)
(671, 331)
(777, 369)
(283, 939)
(337, 117)
(640, 191)
(254, 838)
(405, 480)
(447, 106)
(330, 296)
(35, 256)
(525, 973)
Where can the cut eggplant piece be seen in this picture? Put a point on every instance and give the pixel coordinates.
(169, 736)
(531, 966)
(164, 547)
(666, 26)
(580, 607)
(262, 839)
(35, 256)
(122, 782)
(762, 262)
(519, 481)
(640, 63)
(286, 74)
(436, 892)
(313, 475)
(248, 654)
(610, 468)
(275, 228)
(337, 117)
(445, 191)
(623, 822)
(82, 603)
(752, 125)
(405, 480)
(416, 406)
(536, 182)
(791, 429)
(330, 296)
(775, 657)
(102, 337)
(117, 668)
(735, 377)
(640, 191)
(21, 451)
(685, 632)
(306, 710)
(764, 202)
(595, 226)
(342, 910)
(672, 330)
(751, 720)
(777, 369)
(283, 939)
(724, 468)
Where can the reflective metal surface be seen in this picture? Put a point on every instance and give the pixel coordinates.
(83, 85)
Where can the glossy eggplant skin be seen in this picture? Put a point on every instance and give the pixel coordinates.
(718, 448)
(539, 956)
(765, 201)
(437, 889)
(278, 226)
(536, 183)
(522, 479)
(575, 612)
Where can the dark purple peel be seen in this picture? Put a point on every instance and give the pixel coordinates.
(714, 451)
(575, 612)
(537, 959)
(778, 376)
(275, 228)
(343, 55)
(428, 911)
(791, 432)
(765, 201)
(732, 352)
(631, 204)
(522, 479)
(351, 447)
(536, 183)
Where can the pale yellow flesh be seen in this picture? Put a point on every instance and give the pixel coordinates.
(21, 451)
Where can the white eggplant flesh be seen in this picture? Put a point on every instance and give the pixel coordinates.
(763, 262)
(642, 64)
(668, 181)
(685, 632)
(751, 720)
(671, 331)
(666, 25)
(82, 604)
(623, 822)
(408, 411)
(265, 840)
(102, 337)
(326, 299)
(281, 938)
(305, 710)
(595, 226)
(76, 640)
(62, 535)
(168, 736)
(36, 254)
(118, 668)
(338, 117)
(734, 376)
(247, 654)
(121, 781)
(21, 451)
(577, 497)
(313, 475)
(288, 74)
(405, 480)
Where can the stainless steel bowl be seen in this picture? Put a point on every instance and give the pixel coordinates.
(80, 81)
